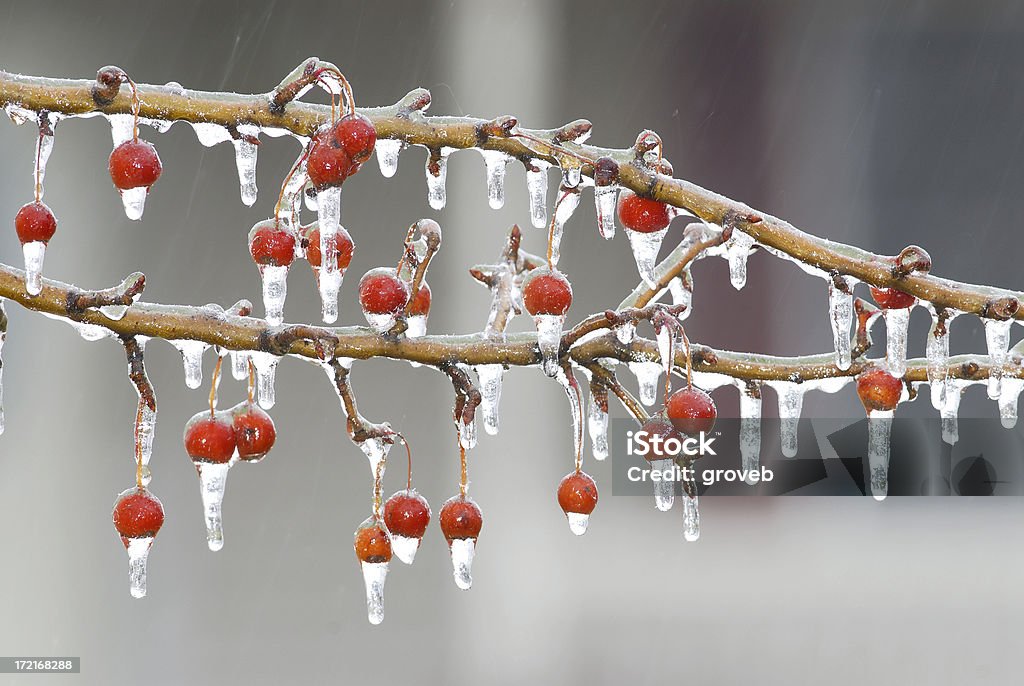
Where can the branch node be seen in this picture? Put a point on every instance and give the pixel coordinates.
(107, 86)
(1000, 308)
(911, 259)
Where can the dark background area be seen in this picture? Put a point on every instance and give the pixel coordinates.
(879, 123)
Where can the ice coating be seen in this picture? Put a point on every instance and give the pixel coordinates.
(664, 489)
(375, 449)
(405, 547)
(114, 312)
(45, 148)
(750, 431)
(209, 134)
(34, 252)
(605, 200)
(937, 355)
(240, 365)
(122, 128)
(275, 290)
(467, 433)
(896, 323)
(388, 150)
(417, 326)
(213, 479)
(192, 360)
(664, 337)
(625, 332)
(1008, 395)
(569, 200)
(791, 401)
(495, 162)
(329, 221)
(681, 295)
(138, 554)
(134, 201)
(575, 410)
(490, 376)
(245, 162)
(647, 374)
(266, 369)
(146, 429)
(436, 195)
(879, 429)
(572, 172)
(840, 317)
(736, 251)
(374, 575)
(997, 340)
(577, 522)
(537, 187)
(645, 252)
(549, 340)
(950, 410)
(691, 515)
(462, 551)
(597, 427)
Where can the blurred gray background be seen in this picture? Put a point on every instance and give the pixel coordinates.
(880, 123)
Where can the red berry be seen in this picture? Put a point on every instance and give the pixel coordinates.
(210, 437)
(357, 136)
(342, 242)
(421, 302)
(663, 429)
(577, 493)
(137, 514)
(134, 164)
(328, 164)
(642, 214)
(254, 431)
(372, 542)
(382, 292)
(879, 390)
(460, 518)
(892, 298)
(691, 411)
(407, 514)
(35, 222)
(271, 245)
(547, 292)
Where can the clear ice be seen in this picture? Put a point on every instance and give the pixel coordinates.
(937, 355)
(950, 410)
(997, 340)
(405, 547)
(490, 376)
(436, 195)
(791, 402)
(736, 251)
(691, 515)
(597, 426)
(879, 428)
(388, 150)
(840, 315)
(34, 252)
(329, 285)
(134, 201)
(245, 161)
(275, 290)
(462, 552)
(605, 200)
(192, 359)
(266, 369)
(569, 200)
(537, 187)
(240, 365)
(750, 432)
(896, 323)
(329, 222)
(375, 449)
(647, 375)
(645, 252)
(495, 162)
(1008, 395)
(374, 574)
(664, 489)
(213, 478)
(549, 340)
(138, 553)
(577, 522)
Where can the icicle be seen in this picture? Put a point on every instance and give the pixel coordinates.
(997, 339)
(577, 522)
(1010, 391)
(605, 200)
(664, 487)
(750, 432)
(134, 201)
(19, 115)
(791, 401)
(240, 365)
(664, 337)
(45, 148)
(329, 222)
(329, 285)
(462, 551)
(691, 515)
(375, 449)
(374, 574)
(495, 161)
(192, 358)
(597, 426)
(950, 409)
(572, 172)
(138, 553)
(537, 186)
(436, 182)
(147, 431)
(212, 481)
(569, 201)
(645, 252)
(937, 354)
(681, 295)
(490, 376)
(266, 368)
(388, 150)
(405, 547)
(208, 134)
(245, 161)
(879, 428)
(896, 323)
(647, 375)
(840, 315)
(122, 128)
(34, 252)
(736, 251)
(626, 332)
(549, 340)
(275, 290)
(575, 410)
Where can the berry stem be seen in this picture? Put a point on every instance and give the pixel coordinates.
(39, 157)
(252, 382)
(214, 384)
(378, 488)
(464, 473)
(408, 452)
(138, 444)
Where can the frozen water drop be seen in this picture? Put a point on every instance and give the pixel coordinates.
(750, 432)
(879, 428)
(146, 428)
(417, 324)
(647, 375)
(1010, 391)
(605, 200)
(569, 200)
(572, 172)
(597, 426)
(950, 410)
(240, 365)
(578, 522)
(490, 376)
(245, 161)
(266, 371)
(896, 323)
(134, 201)
(937, 355)
(436, 195)
(213, 478)
(388, 150)
(210, 134)
(146, 476)
(737, 249)
(192, 359)
(664, 485)
(34, 252)
(537, 187)
(549, 340)
(462, 551)
(376, 449)
(374, 574)
(405, 547)
(329, 285)
(645, 252)
(329, 222)
(997, 340)
(840, 316)
(275, 290)
(791, 402)
(691, 515)
(496, 162)
(138, 554)
(114, 312)
(379, 322)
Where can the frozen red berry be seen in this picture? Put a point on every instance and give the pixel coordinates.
(577, 493)
(134, 164)
(270, 244)
(382, 292)
(879, 390)
(407, 513)
(642, 214)
(137, 514)
(356, 135)
(892, 298)
(460, 518)
(343, 245)
(658, 431)
(547, 292)
(420, 306)
(691, 411)
(372, 542)
(210, 437)
(254, 431)
(35, 222)
(328, 164)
